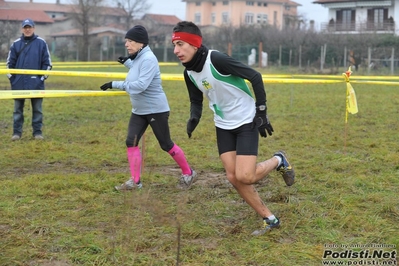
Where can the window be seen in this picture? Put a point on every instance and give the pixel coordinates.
(213, 3)
(197, 3)
(225, 17)
(225, 3)
(258, 18)
(119, 39)
(213, 18)
(378, 17)
(197, 18)
(250, 3)
(122, 20)
(261, 18)
(105, 42)
(265, 19)
(249, 18)
(346, 19)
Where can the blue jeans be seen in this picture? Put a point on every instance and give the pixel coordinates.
(37, 116)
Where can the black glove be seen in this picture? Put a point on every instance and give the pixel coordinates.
(106, 86)
(122, 59)
(191, 125)
(261, 121)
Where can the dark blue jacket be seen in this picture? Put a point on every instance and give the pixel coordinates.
(35, 55)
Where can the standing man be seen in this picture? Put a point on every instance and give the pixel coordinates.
(28, 52)
(238, 117)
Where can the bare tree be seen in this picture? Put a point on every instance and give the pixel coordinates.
(11, 31)
(84, 15)
(134, 8)
(219, 38)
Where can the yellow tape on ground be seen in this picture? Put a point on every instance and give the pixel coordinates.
(115, 75)
(87, 66)
(287, 79)
(98, 64)
(300, 81)
(172, 77)
(370, 78)
(376, 82)
(27, 94)
(64, 73)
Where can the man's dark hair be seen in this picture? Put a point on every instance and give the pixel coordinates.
(187, 26)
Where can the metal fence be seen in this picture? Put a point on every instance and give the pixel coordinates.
(323, 59)
(319, 59)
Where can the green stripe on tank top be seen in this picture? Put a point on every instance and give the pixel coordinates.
(232, 80)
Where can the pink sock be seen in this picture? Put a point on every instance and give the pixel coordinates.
(178, 155)
(134, 158)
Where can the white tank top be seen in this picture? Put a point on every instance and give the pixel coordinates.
(229, 96)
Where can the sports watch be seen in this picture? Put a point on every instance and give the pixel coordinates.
(261, 107)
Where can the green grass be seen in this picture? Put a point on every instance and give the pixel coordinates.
(58, 205)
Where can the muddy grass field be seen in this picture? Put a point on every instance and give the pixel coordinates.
(58, 205)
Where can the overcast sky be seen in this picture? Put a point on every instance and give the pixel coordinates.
(177, 8)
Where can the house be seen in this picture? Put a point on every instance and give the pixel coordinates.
(106, 42)
(160, 29)
(52, 19)
(47, 17)
(279, 13)
(55, 17)
(111, 39)
(361, 16)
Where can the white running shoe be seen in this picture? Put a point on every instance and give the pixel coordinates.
(187, 180)
(129, 185)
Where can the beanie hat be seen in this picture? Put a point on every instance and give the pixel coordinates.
(138, 34)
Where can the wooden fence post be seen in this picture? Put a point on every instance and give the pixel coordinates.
(229, 49)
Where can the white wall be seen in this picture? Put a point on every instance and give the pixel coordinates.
(396, 16)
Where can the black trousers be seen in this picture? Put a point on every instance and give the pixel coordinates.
(160, 126)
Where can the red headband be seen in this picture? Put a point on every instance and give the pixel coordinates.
(193, 39)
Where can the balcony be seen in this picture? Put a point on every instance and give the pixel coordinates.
(366, 27)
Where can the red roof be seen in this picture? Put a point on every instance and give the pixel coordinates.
(3, 4)
(38, 6)
(38, 16)
(59, 8)
(292, 3)
(331, 1)
(163, 19)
